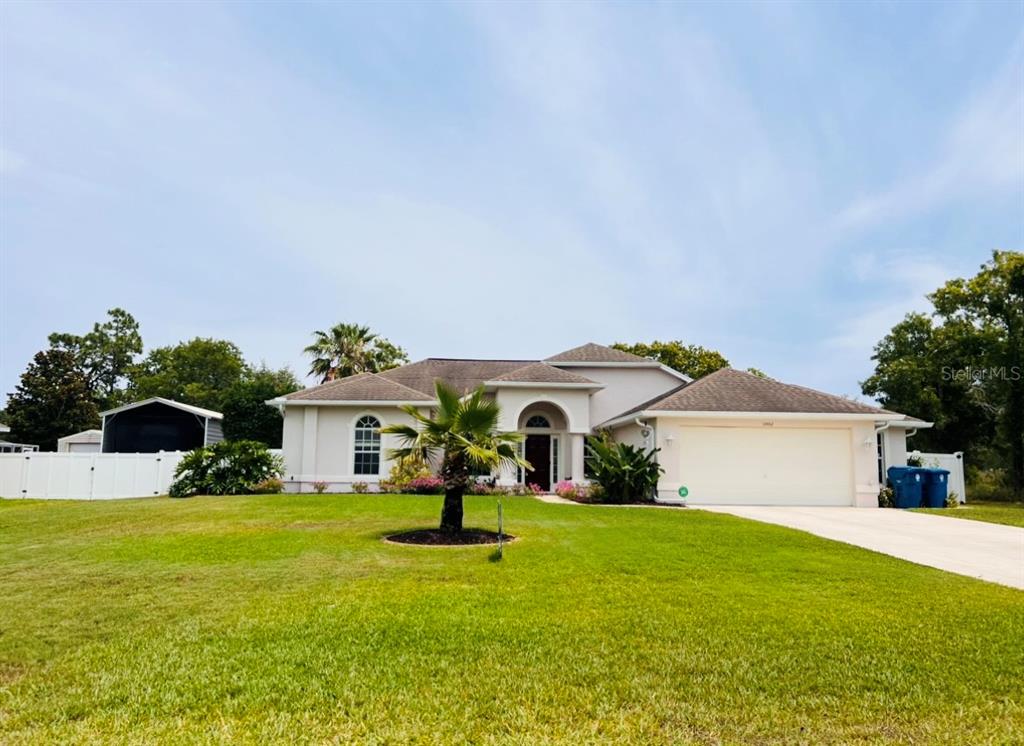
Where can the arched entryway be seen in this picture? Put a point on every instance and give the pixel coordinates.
(544, 427)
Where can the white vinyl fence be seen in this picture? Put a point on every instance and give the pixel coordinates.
(954, 463)
(86, 476)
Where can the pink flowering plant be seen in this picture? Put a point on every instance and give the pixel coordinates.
(569, 490)
(425, 486)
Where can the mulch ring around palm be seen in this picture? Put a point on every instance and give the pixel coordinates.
(435, 537)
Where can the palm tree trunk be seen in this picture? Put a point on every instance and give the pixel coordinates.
(451, 513)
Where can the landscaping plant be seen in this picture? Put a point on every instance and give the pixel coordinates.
(230, 467)
(464, 432)
(627, 473)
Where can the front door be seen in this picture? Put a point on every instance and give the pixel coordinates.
(538, 453)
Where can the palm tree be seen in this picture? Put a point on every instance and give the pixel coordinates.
(347, 349)
(465, 431)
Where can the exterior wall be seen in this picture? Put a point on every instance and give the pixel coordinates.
(574, 403)
(624, 388)
(894, 446)
(317, 444)
(863, 468)
(632, 434)
(214, 431)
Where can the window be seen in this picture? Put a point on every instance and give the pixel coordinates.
(367, 446)
(588, 460)
(554, 459)
(538, 420)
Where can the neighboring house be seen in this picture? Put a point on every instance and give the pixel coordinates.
(87, 441)
(7, 446)
(156, 424)
(729, 437)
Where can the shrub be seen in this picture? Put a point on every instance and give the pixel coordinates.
(404, 471)
(319, 487)
(271, 486)
(230, 467)
(596, 493)
(952, 500)
(627, 473)
(534, 489)
(885, 498)
(360, 488)
(989, 484)
(425, 486)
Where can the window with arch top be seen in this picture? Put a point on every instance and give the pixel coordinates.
(366, 457)
(538, 420)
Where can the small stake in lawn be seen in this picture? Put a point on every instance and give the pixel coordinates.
(500, 536)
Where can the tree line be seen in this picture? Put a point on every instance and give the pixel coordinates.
(66, 386)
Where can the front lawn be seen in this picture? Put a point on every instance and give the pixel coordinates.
(286, 618)
(1011, 514)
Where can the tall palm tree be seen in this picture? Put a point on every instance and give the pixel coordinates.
(347, 349)
(465, 432)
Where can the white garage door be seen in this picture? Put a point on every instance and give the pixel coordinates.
(766, 466)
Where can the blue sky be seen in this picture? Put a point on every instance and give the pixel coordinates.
(781, 182)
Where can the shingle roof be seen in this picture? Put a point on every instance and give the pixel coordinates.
(595, 353)
(729, 390)
(461, 375)
(360, 387)
(542, 373)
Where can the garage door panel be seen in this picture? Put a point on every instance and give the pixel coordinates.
(767, 466)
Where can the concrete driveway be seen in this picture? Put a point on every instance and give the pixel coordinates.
(988, 551)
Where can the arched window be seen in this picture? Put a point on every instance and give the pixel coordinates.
(538, 420)
(367, 446)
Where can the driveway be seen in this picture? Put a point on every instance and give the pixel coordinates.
(988, 551)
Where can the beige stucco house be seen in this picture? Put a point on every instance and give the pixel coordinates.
(728, 438)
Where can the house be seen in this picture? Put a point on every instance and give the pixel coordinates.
(87, 441)
(7, 446)
(729, 437)
(157, 424)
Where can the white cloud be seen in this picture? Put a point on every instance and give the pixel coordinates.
(901, 284)
(983, 155)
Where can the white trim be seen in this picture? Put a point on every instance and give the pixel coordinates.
(352, 441)
(638, 364)
(199, 411)
(540, 385)
(548, 400)
(827, 416)
(912, 425)
(349, 402)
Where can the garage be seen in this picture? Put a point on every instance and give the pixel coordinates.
(735, 438)
(766, 465)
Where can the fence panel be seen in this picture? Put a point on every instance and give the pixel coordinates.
(954, 462)
(86, 476)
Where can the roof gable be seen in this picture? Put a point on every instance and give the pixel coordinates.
(461, 375)
(591, 352)
(360, 387)
(729, 390)
(543, 373)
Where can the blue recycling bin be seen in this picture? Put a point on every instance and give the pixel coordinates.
(935, 487)
(907, 482)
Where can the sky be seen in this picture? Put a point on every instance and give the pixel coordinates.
(778, 181)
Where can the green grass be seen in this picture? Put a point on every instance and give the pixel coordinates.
(286, 618)
(1011, 514)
